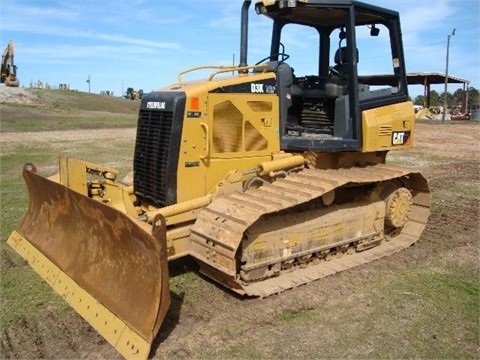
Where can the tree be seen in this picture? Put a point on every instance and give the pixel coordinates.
(453, 100)
(435, 99)
(450, 100)
(419, 100)
(473, 96)
(458, 97)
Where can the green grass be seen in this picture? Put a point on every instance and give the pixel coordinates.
(23, 294)
(239, 351)
(441, 307)
(464, 187)
(301, 315)
(68, 110)
(415, 313)
(69, 122)
(82, 101)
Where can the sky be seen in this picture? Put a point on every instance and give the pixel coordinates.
(145, 44)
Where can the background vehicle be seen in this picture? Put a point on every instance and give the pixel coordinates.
(8, 71)
(268, 179)
(133, 94)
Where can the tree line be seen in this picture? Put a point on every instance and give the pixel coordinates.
(453, 100)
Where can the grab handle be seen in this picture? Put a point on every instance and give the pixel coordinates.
(207, 143)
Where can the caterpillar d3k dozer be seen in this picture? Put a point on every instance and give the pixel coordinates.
(267, 178)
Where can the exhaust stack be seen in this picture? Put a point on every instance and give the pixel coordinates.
(244, 33)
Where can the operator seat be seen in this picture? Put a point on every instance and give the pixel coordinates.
(339, 73)
(337, 88)
(286, 90)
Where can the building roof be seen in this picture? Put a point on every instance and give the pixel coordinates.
(420, 78)
(433, 78)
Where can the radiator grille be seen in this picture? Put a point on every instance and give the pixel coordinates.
(151, 155)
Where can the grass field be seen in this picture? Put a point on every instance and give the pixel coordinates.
(53, 110)
(422, 303)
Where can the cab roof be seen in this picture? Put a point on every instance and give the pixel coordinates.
(323, 13)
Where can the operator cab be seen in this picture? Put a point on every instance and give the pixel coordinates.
(346, 57)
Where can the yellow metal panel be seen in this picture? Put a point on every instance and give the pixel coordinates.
(194, 144)
(388, 127)
(264, 122)
(264, 119)
(196, 148)
(258, 114)
(47, 270)
(191, 165)
(132, 346)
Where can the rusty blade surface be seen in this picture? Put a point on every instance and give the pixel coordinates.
(104, 251)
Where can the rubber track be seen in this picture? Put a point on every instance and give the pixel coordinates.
(229, 216)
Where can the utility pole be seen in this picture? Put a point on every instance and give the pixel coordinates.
(88, 81)
(446, 76)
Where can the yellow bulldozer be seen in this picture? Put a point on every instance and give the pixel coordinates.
(8, 69)
(267, 178)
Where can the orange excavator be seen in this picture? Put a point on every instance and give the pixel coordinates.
(8, 71)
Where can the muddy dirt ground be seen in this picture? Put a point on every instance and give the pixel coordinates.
(349, 315)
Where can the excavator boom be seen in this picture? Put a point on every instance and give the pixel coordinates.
(8, 71)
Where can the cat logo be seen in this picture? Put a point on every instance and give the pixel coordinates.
(400, 138)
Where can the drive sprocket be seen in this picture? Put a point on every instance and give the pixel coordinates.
(398, 208)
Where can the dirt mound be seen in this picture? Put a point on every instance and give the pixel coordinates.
(17, 95)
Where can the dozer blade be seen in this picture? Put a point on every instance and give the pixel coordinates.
(112, 271)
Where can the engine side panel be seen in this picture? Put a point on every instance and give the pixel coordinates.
(388, 127)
